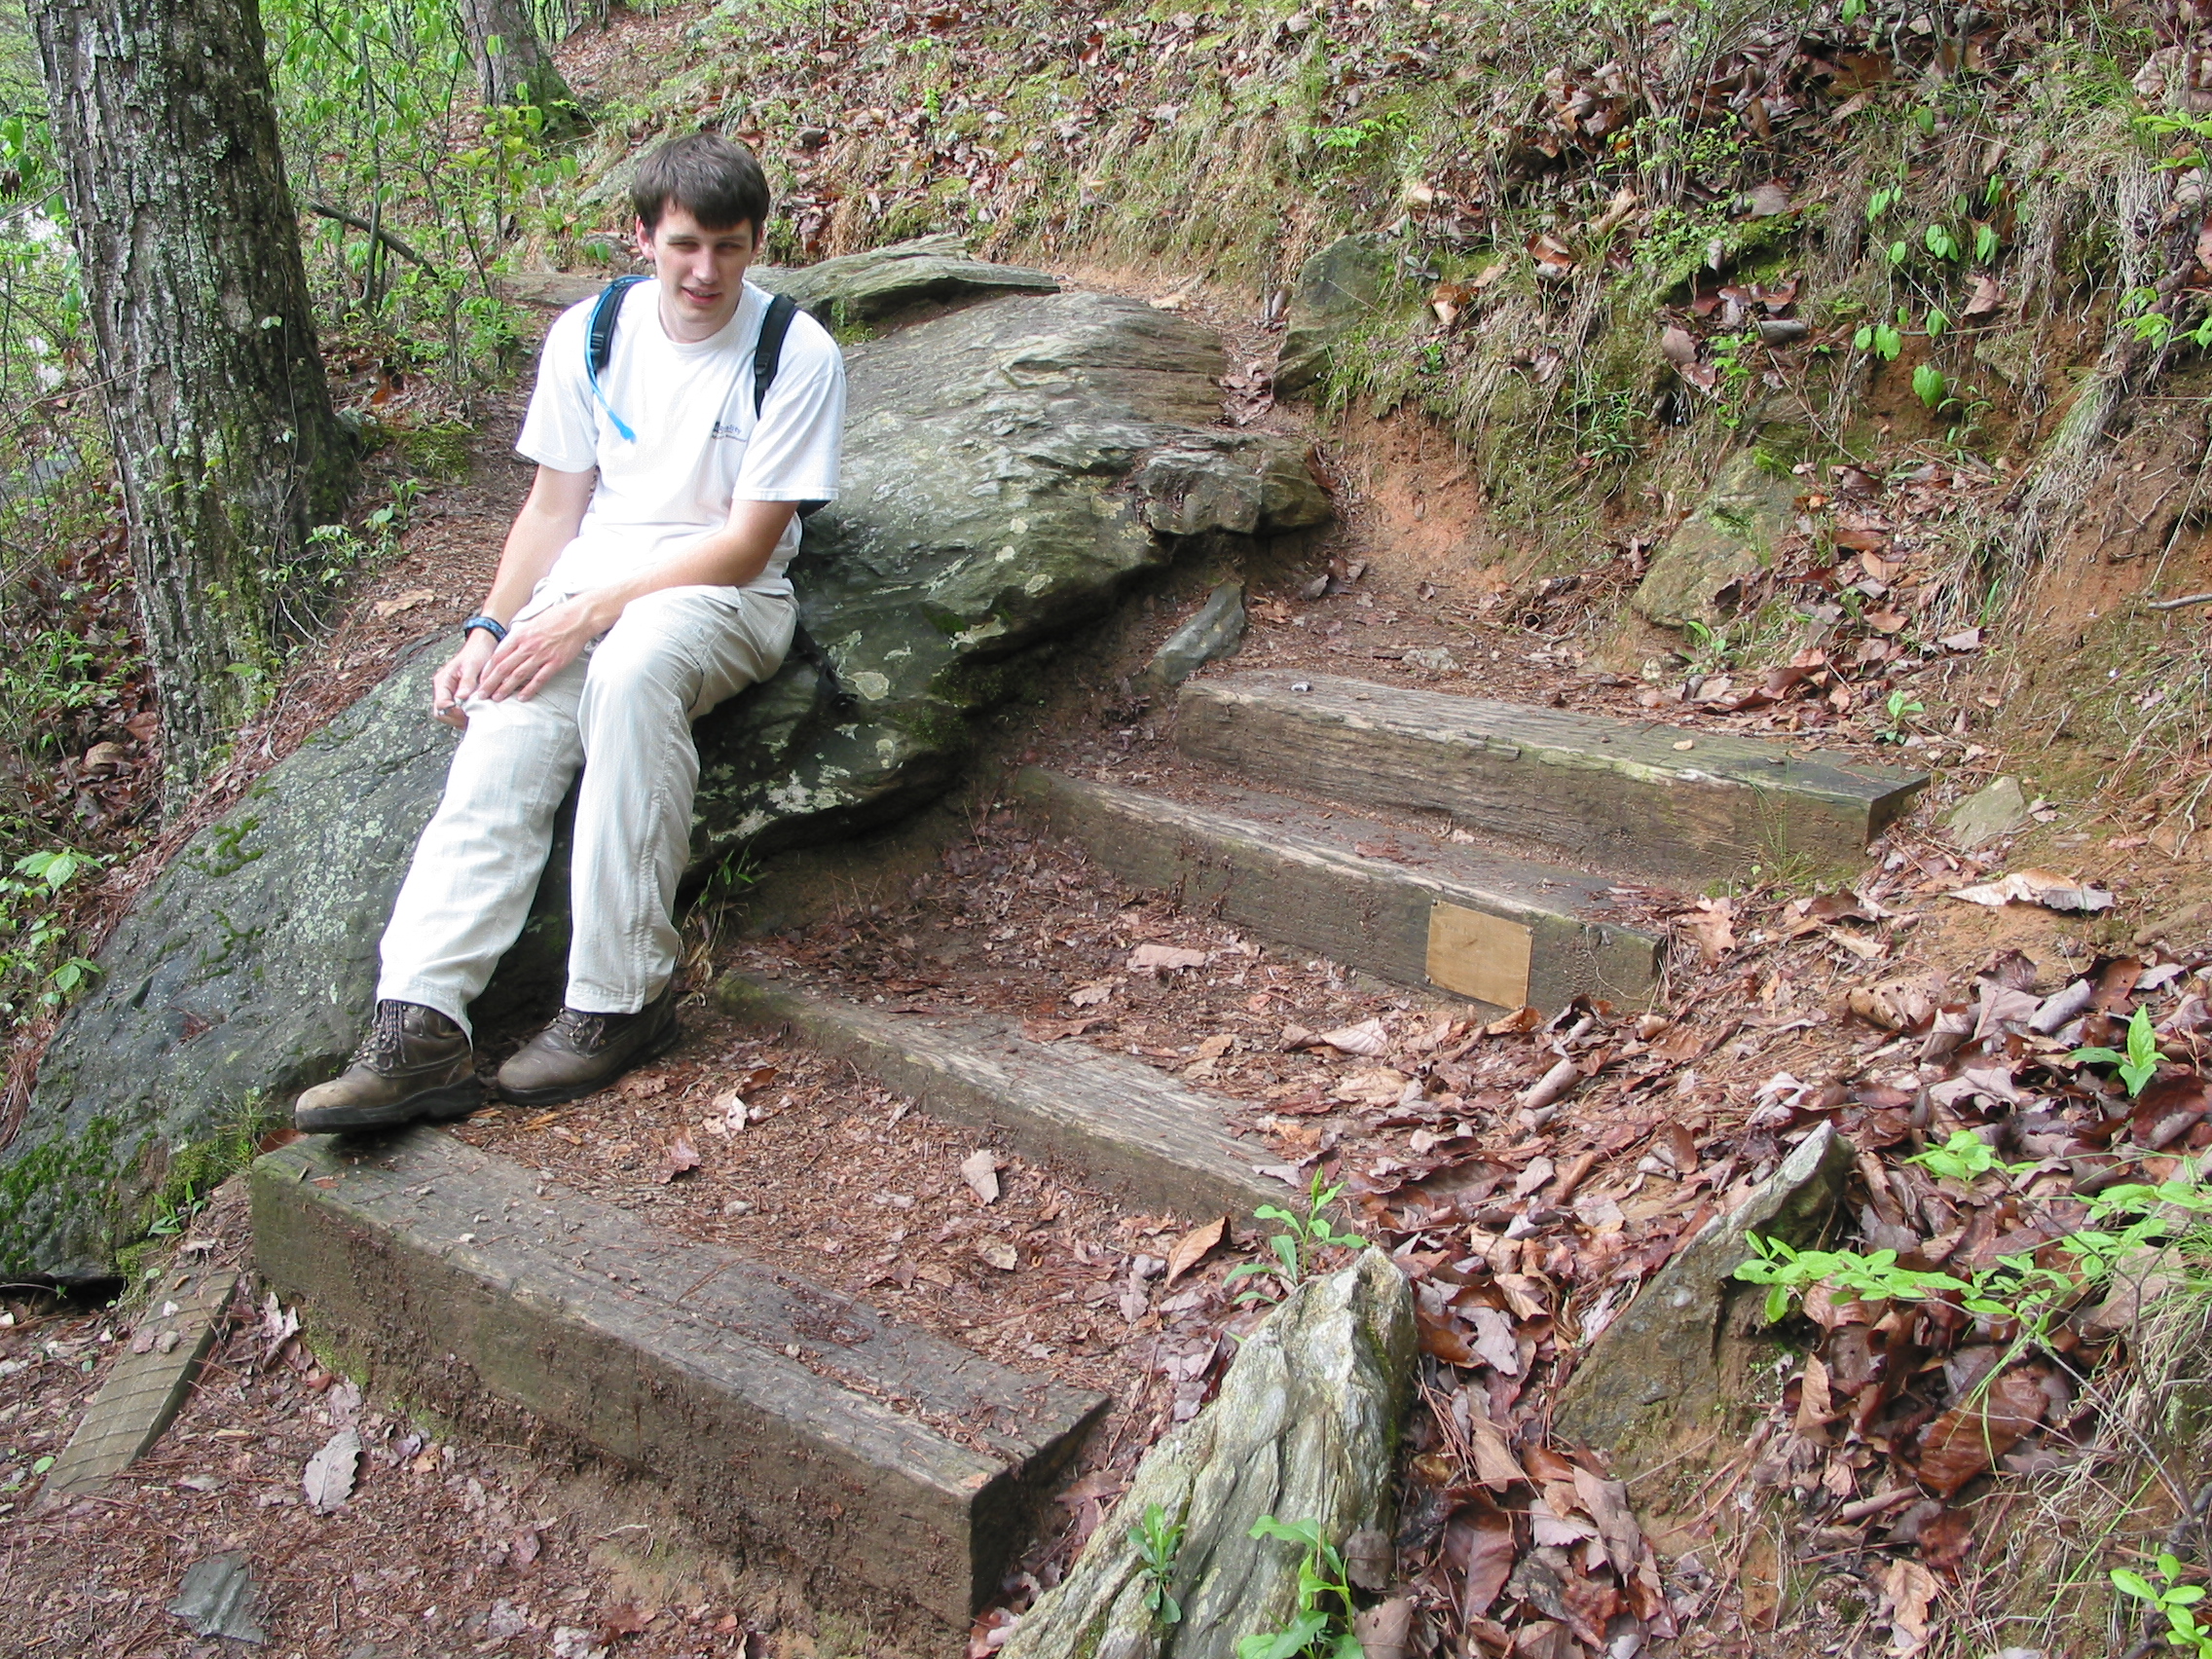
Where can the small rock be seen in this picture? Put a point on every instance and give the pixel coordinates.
(1306, 1426)
(1215, 632)
(217, 1598)
(1729, 538)
(2000, 809)
(1337, 289)
(1671, 1358)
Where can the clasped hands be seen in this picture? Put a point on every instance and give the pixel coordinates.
(535, 650)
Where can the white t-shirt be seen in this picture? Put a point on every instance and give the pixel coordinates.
(698, 446)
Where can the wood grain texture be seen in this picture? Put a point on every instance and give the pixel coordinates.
(780, 1412)
(1279, 867)
(1124, 1124)
(1616, 795)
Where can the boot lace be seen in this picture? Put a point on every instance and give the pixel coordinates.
(381, 1050)
(583, 1032)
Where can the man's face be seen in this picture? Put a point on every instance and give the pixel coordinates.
(701, 272)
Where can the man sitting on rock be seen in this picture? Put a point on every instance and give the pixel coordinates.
(643, 583)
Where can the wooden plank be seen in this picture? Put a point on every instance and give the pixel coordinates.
(1616, 794)
(1479, 955)
(895, 1469)
(147, 1385)
(1295, 877)
(1124, 1124)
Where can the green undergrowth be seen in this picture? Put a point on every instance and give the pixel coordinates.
(1569, 179)
(189, 1177)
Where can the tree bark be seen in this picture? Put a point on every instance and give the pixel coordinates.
(521, 70)
(217, 405)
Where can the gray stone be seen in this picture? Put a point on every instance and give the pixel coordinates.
(1305, 1429)
(1248, 483)
(1215, 632)
(852, 288)
(996, 494)
(1345, 285)
(1998, 809)
(1729, 538)
(1682, 1349)
(860, 287)
(218, 1597)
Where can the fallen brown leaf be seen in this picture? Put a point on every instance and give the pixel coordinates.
(1164, 958)
(1966, 1440)
(1191, 1249)
(680, 1158)
(980, 1170)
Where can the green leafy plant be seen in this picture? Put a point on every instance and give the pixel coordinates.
(1789, 1273)
(1902, 709)
(1962, 1158)
(2140, 1064)
(2125, 1226)
(1294, 1250)
(1323, 1625)
(1158, 1541)
(1929, 386)
(1884, 340)
(37, 966)
(2171, 1599)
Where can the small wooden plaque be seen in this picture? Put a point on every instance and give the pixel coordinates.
(1479, 955)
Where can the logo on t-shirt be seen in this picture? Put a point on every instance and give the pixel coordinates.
(728, 429)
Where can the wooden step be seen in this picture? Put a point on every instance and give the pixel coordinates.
(1409, 907)
(891, 1468)
(1127, 1127)
(1617, 794)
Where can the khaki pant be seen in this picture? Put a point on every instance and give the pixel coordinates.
(622, 711)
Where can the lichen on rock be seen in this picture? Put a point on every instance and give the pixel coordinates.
(1305, 1429)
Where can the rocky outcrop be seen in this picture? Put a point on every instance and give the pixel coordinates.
(1681, 1352)
(1727, 539)
(1305, 1429)
(1004, 480)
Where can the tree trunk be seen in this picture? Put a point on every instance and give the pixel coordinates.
(512, 65)
(225, 439)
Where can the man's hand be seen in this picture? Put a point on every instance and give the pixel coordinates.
(535, 650)
(456, 681)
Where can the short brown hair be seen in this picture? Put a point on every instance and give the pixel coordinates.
(718, 182)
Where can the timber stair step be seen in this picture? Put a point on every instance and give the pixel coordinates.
(895, 1469)
(1616, 795)
(1127, 1127)
(1402, 906)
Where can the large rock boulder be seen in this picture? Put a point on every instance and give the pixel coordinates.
(1305, 1429)
(1729, 538)
(1000, 489)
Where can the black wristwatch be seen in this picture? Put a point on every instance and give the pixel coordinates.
(492, 625)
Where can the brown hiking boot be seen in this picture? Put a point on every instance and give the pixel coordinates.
(414, 1064)
(580, 1053)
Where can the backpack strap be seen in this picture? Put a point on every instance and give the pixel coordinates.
(767, 357)
(808, 651)
(768, 350)
(598, 349)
